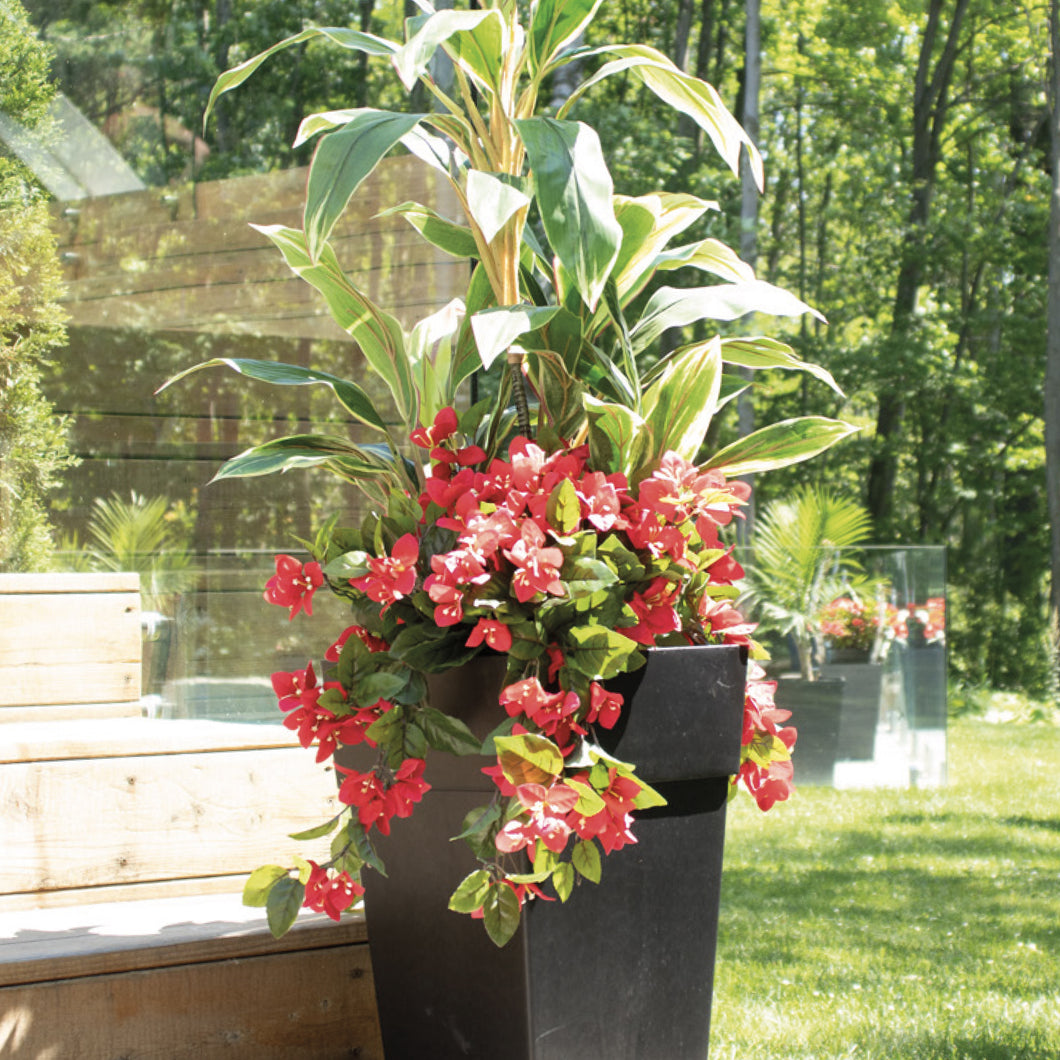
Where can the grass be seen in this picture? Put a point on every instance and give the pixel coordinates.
(899, 925)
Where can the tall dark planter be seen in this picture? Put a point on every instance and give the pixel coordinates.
(624, 969)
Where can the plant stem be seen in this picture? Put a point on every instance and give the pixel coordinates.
(518, 383)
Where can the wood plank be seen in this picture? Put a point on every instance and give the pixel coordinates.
(126, 737)
(318, 1003)
(85, 627)
(102, 938)
(70, 582)
(57, 682)
(124, 892)
(65, 712)
(84, 823)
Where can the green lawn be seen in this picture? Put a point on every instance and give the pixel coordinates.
(900, 925)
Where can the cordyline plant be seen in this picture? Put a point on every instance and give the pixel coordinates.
(568, 523)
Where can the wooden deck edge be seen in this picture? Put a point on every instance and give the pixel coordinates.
(91, 941)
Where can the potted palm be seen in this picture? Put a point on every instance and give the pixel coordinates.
(802, 563)
(543, 659)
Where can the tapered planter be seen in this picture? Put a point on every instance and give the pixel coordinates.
(815, 708)
(623, 970)
(860, 713)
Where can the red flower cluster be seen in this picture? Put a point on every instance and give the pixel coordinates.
(331, 893)
(380, 795)
(521, 533)
(293, 584)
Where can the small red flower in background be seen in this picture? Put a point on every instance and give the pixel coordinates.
(293, 584)
(329, 894)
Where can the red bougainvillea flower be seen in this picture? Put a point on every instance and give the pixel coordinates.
(719, 616)
(392, 577)
(604, 707)
(770, 785)
(444, 426)
(331, 894)
(654, 608)
(378, 799)
(291, 687)
(293, 584)
(491, 632)
(538, 566)
(371, 642)
(611, 825)
(547, 810)
(554, 713)
(599, 493)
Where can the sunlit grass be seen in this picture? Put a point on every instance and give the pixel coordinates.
(900, 925)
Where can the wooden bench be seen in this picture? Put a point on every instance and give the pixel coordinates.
(124, 844)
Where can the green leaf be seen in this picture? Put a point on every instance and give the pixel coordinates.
(574, 189)
(599, 653)
(564, 509)
(471, 892)
(349, 565)
(379, 335)
(260, 883)
(589, 802)
(500, 913)
(446, 235)
(312, 450)
(554, 24)
(346, 38)
(369, 688)
(351, 396)
(585, 577)
(478, 47)
(496, 329)
(492, 202)
(284, 901)
(709, 255)
(618, 437)
(684, 93)
(529, 758)
(341, 162)
(586, 859)
(319, 832)
(779, 445)
(680, 404)
(671, 307)
(647, 796)
(761, 352)
(648, 223)
(446, 733)
(563, 880)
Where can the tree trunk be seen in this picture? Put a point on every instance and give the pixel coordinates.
(930, 106)
(749, 212)
(1052, 363)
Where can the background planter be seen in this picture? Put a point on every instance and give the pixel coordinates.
(860, 712)
(623, 970)
(815, 712)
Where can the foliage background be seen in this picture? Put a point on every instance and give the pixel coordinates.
(924, 244)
